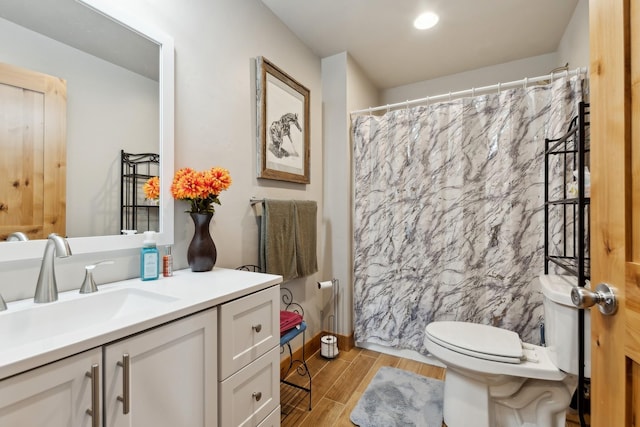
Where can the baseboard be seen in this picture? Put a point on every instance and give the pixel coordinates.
(345, 343)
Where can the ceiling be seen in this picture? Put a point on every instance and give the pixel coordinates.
(379, 34)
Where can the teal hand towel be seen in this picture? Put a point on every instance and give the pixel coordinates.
(277, 239)
(306, 237)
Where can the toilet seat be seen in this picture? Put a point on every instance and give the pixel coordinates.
(535, 362)
(476, 340)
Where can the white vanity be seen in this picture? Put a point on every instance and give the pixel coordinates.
(195, 349)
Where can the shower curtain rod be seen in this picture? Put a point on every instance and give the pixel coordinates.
(474, 91)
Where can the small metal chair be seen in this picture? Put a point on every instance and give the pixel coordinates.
(285, 340)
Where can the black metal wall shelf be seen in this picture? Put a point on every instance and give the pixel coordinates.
(136, 213)
(565, 155)
(567, 244)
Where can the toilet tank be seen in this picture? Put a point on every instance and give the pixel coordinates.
(561, 324)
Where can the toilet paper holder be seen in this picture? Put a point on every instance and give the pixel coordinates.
(329, 343)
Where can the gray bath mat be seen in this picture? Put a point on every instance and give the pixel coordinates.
(399, 398)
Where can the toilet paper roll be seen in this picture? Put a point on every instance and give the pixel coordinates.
(329, 346)
(325, 285)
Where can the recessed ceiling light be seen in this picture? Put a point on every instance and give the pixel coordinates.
(426, 21)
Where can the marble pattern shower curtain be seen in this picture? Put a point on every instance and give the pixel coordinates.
(448, 212)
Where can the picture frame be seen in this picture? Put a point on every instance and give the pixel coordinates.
(282, 125)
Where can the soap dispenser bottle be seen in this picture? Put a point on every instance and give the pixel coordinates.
(149, 257)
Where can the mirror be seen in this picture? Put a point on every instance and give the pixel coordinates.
(140, 119)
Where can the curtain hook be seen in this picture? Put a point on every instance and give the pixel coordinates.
(370, 111)
(499, 87)
(449, 95)
(388, 109)
(526, 81)
(427, 100)
(473, 92)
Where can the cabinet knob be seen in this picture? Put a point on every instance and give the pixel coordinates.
(257, 327)
(257, 395)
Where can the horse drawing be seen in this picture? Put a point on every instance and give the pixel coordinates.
(278, 130)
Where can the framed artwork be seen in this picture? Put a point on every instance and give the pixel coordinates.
(282, 125)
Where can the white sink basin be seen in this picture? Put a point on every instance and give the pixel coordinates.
(45, 321)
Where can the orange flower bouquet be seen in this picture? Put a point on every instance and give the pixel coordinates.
(151, 188)
(200, 188)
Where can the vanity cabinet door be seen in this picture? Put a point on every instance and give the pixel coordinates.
(165, 376)
(54, 395)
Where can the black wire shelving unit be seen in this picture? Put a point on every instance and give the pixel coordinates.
(136, 213)
(567, 246)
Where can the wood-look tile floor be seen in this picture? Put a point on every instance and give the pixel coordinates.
(339, 383)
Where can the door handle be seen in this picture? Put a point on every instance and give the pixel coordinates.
(603, 296)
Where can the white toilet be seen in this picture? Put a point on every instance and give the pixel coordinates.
(495, 380)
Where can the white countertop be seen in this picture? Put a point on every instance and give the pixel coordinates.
(193, 292)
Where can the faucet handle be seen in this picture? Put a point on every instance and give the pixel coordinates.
(3, 305)
(89, 285)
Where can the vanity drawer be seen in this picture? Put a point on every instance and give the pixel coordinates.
(273, 420)
(253, 393)
(248, 328)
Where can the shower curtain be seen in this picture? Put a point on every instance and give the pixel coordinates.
(448, 212)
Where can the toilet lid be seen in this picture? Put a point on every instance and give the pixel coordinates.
(476, 340)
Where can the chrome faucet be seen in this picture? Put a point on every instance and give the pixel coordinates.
(3, 305)
(47, 288)
(17, 236)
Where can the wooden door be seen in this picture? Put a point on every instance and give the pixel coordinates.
(615, 208)
(33, 146)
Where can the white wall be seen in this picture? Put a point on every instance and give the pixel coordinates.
(336, 216)
(344, 87)
(574, 46)
(109, 108)
(507, 72)
(215, 42)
